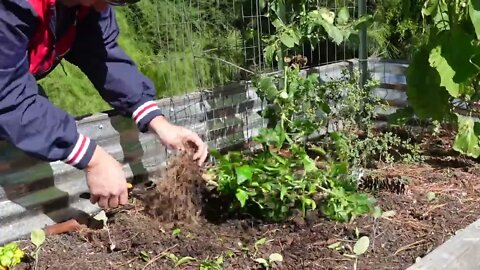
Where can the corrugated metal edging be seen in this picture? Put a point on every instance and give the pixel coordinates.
(34, 193)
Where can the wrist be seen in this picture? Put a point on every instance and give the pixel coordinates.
(159, 123)
(96, 158)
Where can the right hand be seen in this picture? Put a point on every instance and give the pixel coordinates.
(106, 180)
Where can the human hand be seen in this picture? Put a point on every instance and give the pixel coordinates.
(106, 180)
(177, 137)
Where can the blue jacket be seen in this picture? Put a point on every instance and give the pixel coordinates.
(28, 120)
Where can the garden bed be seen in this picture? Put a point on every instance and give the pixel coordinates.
(440, 198)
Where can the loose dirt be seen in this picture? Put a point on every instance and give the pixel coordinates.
(167, 225)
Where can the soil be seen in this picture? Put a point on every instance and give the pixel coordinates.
(170, 224)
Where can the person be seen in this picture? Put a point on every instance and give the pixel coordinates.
(35, 35)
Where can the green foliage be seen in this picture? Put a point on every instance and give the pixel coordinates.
(297, 22)
(445, 71)
(283, 177)
(396, 29)
(357, 142)
(212, 264)
(10, 255)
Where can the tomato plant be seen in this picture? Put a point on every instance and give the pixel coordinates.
(298, 21)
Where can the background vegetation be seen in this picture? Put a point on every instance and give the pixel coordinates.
(178, 44)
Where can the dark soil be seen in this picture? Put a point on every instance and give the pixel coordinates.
(170, 220)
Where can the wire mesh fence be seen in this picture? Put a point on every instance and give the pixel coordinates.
(201, 50)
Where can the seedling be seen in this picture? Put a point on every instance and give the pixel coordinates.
(216, 264)
(179, 261)
(10, 256)
(37, 237)
(431, 196)
(176, 232)
(274, 257)
(102, 216)
(360, 247)
(259, 243)
(144, 256)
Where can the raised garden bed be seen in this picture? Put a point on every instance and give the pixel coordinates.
(440, 198)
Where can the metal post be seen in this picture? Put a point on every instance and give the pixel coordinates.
(282, 16)
(362, 54)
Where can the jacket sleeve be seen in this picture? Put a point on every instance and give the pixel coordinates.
(115, 76)
(28, 120)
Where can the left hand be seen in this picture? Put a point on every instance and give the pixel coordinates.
(177, 137)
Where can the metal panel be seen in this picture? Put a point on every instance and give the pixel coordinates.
(34, 193)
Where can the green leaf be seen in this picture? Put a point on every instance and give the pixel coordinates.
(176, 232)
(327, 15)
(429, 7)
(335, 245)
(309, 164)
(244, 173)
(364, 21)
(275, 257)
(262, 261)
(242, 196)
(262, 4)
(389, 214)
(287, 39)
(5, 260)
(283, 192)
(343, 16)
(278, 24)
(270, 52)
(451, 58)
(431, 196)
(377, 212)
(144, 255)
(184, 260)
(101, 216)
(334, 33)
(425, 95)
(37, 237)
(466, 141)
(474, 12)
(361, 245)
(268, 87)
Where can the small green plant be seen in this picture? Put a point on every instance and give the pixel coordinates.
(273, 258)
(360, 248)
(102, 216)
(10, 256)
(176, 232)
(144, 256)
(212, 264)
(179, 261)
(37, 237)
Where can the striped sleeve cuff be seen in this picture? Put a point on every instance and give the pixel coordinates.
(81, 153)
(145, 113)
